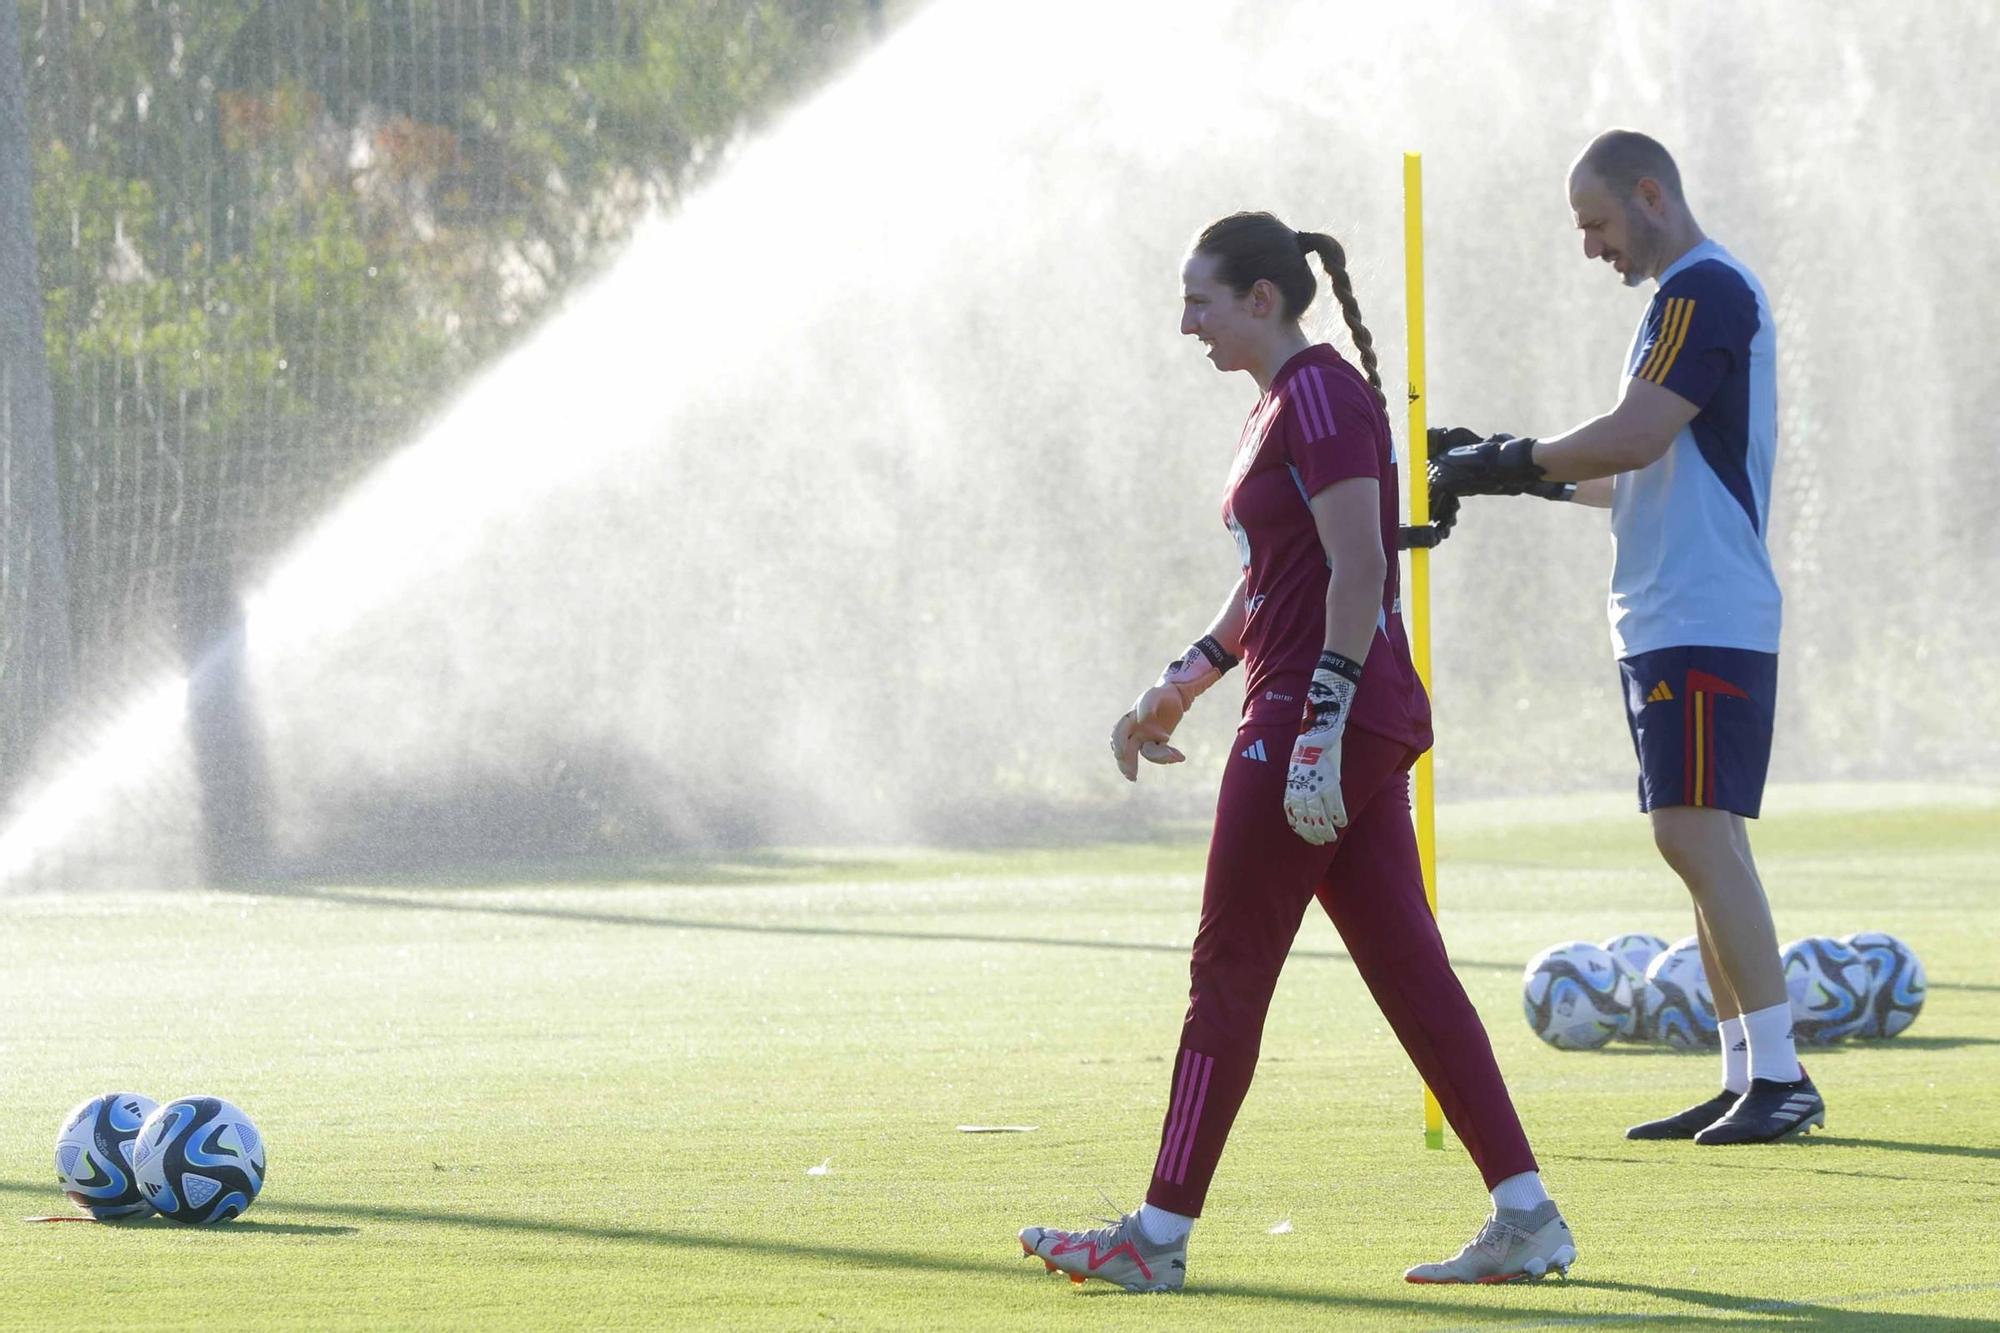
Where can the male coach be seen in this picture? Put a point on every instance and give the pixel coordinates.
(1684, 463)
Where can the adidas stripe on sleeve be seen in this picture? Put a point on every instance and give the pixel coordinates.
(1698, 330)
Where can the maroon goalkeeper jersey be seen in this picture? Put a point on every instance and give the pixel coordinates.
(1319, 424)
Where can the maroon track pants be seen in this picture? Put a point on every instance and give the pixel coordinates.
(1261, 875)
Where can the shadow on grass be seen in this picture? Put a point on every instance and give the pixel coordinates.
(251, 1224)
(1788, 1168)
(1647, 1048)
(1735, 1311)
(348, 898)
(1806, 1156)
(1909, 1043)
(1727, 1308)
(154, 1222)
(738, 869)
(1907, 1145)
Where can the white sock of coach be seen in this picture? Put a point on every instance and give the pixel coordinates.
(1520, 1192)
(1735, 1056)
(1772, 1054)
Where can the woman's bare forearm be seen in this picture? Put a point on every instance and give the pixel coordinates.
(1227, 627)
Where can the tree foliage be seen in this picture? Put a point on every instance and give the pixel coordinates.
(274, 234)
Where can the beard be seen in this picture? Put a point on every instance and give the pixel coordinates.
(1645, 241)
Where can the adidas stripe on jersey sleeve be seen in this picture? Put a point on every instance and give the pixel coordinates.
(1697, 331)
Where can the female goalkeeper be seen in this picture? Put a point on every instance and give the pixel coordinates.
(1315, 798)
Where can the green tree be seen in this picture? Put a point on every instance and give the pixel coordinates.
(274, 235)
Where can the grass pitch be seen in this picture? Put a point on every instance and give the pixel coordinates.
(603, 1105)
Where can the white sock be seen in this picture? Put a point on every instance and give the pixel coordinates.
(1772, 1054)
(1520, 1192)
(1735, 1056)
(1162, 1227)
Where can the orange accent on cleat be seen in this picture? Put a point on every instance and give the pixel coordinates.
(1118, 1254)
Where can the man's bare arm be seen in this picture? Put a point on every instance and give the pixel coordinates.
(1635, 433)
(1595, 492)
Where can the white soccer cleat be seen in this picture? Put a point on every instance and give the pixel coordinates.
(1515, 1245)
(1119, 1254)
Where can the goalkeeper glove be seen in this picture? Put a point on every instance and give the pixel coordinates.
(1500, 465)
(1444, 439)
(1205, 662)
(1444, 517)
(1313, 806)
(1143, 732)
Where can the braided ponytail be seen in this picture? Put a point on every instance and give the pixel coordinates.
(1334, 260)
(1249, 246)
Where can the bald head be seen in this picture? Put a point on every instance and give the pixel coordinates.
(1625, 193)
(1620, 159)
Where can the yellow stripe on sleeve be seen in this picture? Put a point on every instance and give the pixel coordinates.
(1645, 371)
(1673, 336)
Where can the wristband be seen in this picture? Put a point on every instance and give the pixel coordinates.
(1339, 665)
(1211, 648)
(1205, 662)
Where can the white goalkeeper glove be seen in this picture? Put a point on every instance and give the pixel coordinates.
(1312, 789)
(1143, 732)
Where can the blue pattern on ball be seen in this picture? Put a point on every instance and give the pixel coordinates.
(1827, 983)
(201, 1160)
(1896, 983)
(1576, 996)
(93, 1155)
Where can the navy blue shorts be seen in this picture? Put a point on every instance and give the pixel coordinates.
(1701, 724)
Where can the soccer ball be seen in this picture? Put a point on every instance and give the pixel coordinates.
(1576, 996)
(1637, 949)
(1895, 983)
(94, 1155)
(1828, 986)
(199, 1159)
(1634, 953)
(1677, 1007)
(1635, 986)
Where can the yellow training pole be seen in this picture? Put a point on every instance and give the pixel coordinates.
(1419, 618)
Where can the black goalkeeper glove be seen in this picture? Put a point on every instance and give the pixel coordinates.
(1444, 504)
(1499, 465)
(1444, 517)
(1444, 439)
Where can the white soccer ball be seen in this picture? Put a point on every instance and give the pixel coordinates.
(1895, 983)
(1636, 948)
(94, 1154)
(1677, 1007)
(1634, 953)
(199, 1159)
(1828, 986)
(1576, 996)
